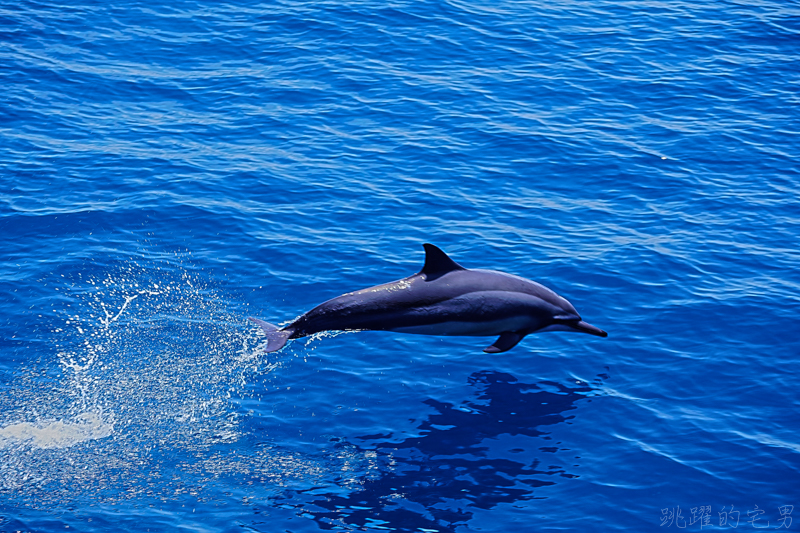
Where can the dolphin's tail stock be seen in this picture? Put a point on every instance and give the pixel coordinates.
(276, 337)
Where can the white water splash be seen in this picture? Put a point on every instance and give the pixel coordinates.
(128, 299)
(150, 365)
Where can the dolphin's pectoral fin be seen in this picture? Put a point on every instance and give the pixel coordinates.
(505, 342)
(276, 337)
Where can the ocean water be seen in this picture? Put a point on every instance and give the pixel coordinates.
(168, 170)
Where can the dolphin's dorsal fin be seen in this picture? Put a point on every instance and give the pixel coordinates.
(437, 263)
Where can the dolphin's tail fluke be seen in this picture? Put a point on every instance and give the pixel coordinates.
(276, 337)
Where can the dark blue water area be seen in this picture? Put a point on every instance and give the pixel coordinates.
(169, 170)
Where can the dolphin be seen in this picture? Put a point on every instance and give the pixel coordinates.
(443, 298)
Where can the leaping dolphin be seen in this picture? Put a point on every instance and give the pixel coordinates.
(443, 298)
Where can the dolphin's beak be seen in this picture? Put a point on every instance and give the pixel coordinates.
(584, 327)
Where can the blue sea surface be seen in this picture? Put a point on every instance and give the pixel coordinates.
(168, 170)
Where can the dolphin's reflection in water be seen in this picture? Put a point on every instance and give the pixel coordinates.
(475, 455)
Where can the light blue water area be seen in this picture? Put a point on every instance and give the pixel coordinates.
(168, 170)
